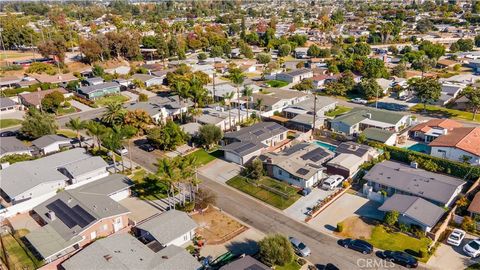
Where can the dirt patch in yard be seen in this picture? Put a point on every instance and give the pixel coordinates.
(216, 227)
(355, 227)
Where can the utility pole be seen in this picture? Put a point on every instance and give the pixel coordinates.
(376, 99)
(314, 113)
(3, 47)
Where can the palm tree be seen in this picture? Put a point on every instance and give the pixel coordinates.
(128, 132)
(112, 140)
(76, 125)
(259, 106)
(113, 114)
(197, 92)
(194, 112)
(237, 77)
(248, 91)
(187, 167)
(226, 99)
(183, 91)
(96, 130)
(167, 171)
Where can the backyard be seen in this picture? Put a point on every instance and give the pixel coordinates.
(338, 110)
(4, 123)
(102, 102)
(18, 256)
(276, 83)
(266, 189)
(204, 157)
(440, 112)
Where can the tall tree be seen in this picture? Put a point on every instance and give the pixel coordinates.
(210, 135)
(112, 140)
(167, 171)
(114, 114)
(37, 124)
(237, 77)
(96, 130)
(183, 91)
(247, 92)
(77, 125)
(473, 97)
(227, 99)
(428, 90)
(264, 59)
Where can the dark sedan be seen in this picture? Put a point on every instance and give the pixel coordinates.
(400, 258)
(147, 147)
(358, 245)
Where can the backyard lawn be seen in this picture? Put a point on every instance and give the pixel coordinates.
(435, 111)
(147, 187)
(4, 123)
(102, 102)
(19, 257)
(271, 191)
(338, 110)
(204, 157)
(276, 83)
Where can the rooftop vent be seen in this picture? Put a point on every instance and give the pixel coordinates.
(51, 215)
(107, 257)
(165, 257)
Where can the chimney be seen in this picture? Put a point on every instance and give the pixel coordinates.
(414, 165)
(51, 215)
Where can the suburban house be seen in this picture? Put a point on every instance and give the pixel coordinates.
(48, 144)
(219, 91)
(62, 79)
(9, 81)
(74, 218)
(249, 142)
(379, 135)
(275, 100)
(94, 81)
(157, 112)
(414, 211)
(302, 122)
(7, 105)
(172, 227)
(246, 262)
(450, 91)
(43, 177)
(13, 146)
(323, 105)
(320, 80)
(99, 90)
(221, 118)
(345, 165)
(361, 118)
(301, 52)
(474, 207)
(298, 165)
(432, 129)
(162, 108)
(295, 76)
(124, 251)
(365, 152)
(393, 177)
(34, 99)
(460, 144)
(148, 80)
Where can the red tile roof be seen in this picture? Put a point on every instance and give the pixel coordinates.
(443, 123)
(464, 138)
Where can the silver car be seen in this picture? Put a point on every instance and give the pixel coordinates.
(299, 247)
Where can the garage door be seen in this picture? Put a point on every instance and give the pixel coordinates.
(120, 195)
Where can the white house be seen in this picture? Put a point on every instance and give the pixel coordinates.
(295, 76)
(7, 105)
(51, 143)
(460, 144)
(13, 146)
(148, 80)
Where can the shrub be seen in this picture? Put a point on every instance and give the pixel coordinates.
(142, 97)
(423, 253)
(340, 227)
(345, 184)
(404, 227)
(391, 217)
(301, 261)
(468, 224)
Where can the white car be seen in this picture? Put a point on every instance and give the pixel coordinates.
(456, 237)
(472, 248)
(332, 182)
(359, 101)
(122, 151)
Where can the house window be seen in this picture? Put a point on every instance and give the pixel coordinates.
(280, 172)
(185, 237)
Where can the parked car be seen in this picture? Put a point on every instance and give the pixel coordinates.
(147, 147)
(400, 258)
(122, 151)
(359, 101)
(332, 182)
(456, 237)
(472, 248)
(8, 134)
(328, 266)
(299, 247)
(357, 244)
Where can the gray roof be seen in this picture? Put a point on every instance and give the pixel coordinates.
(191, 128)
(94, 80)
(168, 226)
(245, 263)
(257, 132)
(6, 102)
(85, 166)
(432, 186)
(143, 77)
(107, 185)
(11, 145)
(47, 140)
(376, 134)
(416, 208)
(48, 242)
(298, 72)
(22, 176)
(306, 119)
(354, 148)
(308, 104)
(125, 252)
(243, 148)
(358, 114)
(98, 87)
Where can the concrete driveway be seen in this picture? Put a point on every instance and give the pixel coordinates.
(299, 209)
(82, 107)
(220, 170)
(450, 257)
(132, 96)
(346, 206)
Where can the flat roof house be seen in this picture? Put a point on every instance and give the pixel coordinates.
(124, 251)
(295, 76)
(13, 146)
(99, 90)
(359, 119)
(51, 143)
(148, 80)
(460, 144)
(432, 129)
(299, 165)
(394, 177)
(379, 135)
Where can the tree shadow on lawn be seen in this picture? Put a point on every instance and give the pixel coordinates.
(249, 247)
(436, 113)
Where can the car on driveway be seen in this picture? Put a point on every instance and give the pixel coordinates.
(357, 244)
(332, 182)
(147, 147)
(299, 247)
(472, 248)
(359, 101)
(399, 257)
(456, 237)
(122, 151)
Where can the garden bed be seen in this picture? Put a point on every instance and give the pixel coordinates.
(19, 257)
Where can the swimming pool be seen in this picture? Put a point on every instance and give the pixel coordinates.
(420, 147)
(327, 146)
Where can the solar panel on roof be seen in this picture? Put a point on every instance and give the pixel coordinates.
(302, 171)
(70, 216)
(258, 132)
(244, 147)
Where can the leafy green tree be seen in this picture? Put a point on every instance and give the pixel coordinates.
(428, 90)
(362, 49)
(142, 97)
(264, 59)
(237, 77)
(275, 249)
(202, 56)
(52, 101)
(168, 172)
(284, 50)
(374, 68)
(335, 89)
(96, 130)
(400, 70)
(112, 140)
(167, 137)
(53, 47)
(391, 217)
(37, 124)
(210, 135)
(98, 71)
(348, 80)
(473, 97)
(114, 114)
(432, 50)
(77, 125)
(464, 45)
(313, 51)
(216, 51)
(255, 169)
(14, 158)
(369, 88)
(424, 64)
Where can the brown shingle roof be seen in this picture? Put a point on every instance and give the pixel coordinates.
(59, 78)
(464, 138)
(34, 98)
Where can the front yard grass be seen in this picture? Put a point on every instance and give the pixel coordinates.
(204, 157)
(436, 111)
(102, 102)
(4, 123)
(270, 192)
(67, 133)
(294, 265)
(338, 110)
(276, 83)
(19, 257)
(147, 187)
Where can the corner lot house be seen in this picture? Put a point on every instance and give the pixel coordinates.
(414, 211)
(99, 90)
(299, 165)
(359, 119)
(295, 76)
(393, 177)
(246, 143)
(460, 144)
(72, 219)
(123, 251)
(432, 129)
(13, 146)
(51, 143)
(170, 228)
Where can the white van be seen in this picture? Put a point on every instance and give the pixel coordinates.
(332, 182)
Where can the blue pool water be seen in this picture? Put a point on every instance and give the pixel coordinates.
(327, 146)
(420, 147)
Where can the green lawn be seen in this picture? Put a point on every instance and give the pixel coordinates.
(290, 266)
(338, 110)
(19, 256)
(109, 99)
(247, 185)
(204, 157)
(4, 123)
(63, 111)
(276, 83)
(475, 266)
(436, 111)
(67, 133)
(398, 241)
(146, 188)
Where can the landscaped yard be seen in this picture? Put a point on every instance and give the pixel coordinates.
(338, 110)
(147, 187)
(435, 111)
(4, 123)
(271, 191)
(67, 133)
(19, 257)
(290, 266)
(204, 157)
(109, 99)
(64, 111)
(276, 83)
(216, 227)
